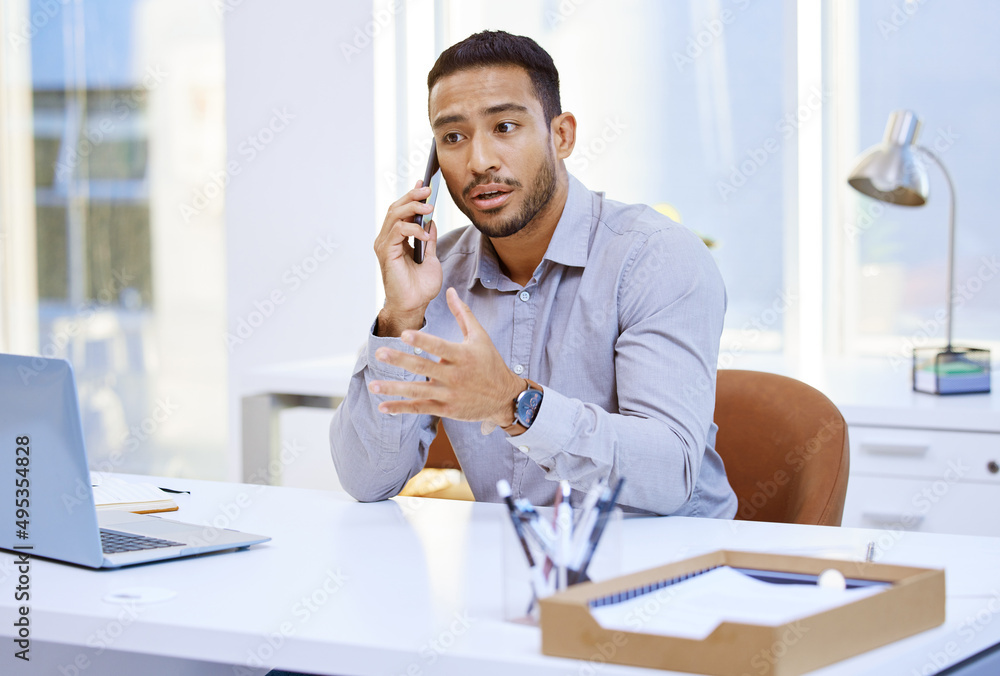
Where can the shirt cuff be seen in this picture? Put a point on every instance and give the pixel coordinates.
(552, 429)
(379, 369)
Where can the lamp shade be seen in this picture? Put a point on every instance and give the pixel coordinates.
(891, 171)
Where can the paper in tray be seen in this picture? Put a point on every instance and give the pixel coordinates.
(912, 600)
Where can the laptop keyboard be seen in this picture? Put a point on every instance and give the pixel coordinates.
(113, 542)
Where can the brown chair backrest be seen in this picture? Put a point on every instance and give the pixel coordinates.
(785, 447)
(783, 442)
(441, 455)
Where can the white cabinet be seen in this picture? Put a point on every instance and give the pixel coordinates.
(919, 462)
(924, 480)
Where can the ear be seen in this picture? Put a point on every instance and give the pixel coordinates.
(564, 134)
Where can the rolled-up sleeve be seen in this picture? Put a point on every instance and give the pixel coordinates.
(376, 454)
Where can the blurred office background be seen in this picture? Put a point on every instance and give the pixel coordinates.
(189, 189)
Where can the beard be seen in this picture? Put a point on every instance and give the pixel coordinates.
(540, 194)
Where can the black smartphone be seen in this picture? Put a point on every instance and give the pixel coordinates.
(432, 177)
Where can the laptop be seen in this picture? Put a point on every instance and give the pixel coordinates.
(46, 500)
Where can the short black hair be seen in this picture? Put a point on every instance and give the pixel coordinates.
(499, 48)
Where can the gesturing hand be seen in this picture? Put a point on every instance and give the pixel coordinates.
(469, 382)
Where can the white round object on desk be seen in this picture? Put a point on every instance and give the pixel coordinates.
(832, 579)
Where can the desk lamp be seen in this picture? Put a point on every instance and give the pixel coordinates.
(892, 172)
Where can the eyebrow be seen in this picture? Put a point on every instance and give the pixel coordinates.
(491, 110)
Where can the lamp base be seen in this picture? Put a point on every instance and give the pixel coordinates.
(954, 370)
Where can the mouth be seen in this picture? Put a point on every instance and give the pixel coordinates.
(490, 196)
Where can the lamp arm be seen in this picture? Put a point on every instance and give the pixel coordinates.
(951, 236)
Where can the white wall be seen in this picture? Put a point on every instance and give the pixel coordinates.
(309, 180)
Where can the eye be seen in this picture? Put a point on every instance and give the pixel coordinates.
(506, 127)
(452, 137)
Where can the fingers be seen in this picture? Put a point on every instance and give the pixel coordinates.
(402, 212)
(444, 349)
(415, 195)
(416, 390)
(467, 321)
(418, 406)
(409, 362)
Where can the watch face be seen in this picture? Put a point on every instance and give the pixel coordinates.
(527, 407)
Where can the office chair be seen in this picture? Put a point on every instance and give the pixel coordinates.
(785, 448)
(441, 476)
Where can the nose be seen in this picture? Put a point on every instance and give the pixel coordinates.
(483, 156)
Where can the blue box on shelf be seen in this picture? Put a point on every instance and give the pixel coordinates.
(954, 370)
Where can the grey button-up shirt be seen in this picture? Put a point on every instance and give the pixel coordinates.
(620, 324)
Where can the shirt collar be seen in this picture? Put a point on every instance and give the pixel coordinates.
(570, 242)
(569, 245)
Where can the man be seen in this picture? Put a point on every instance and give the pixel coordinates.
(560, 336)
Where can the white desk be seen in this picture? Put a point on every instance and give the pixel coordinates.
(412, 586)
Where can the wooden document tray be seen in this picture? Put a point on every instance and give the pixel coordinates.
(914, 601)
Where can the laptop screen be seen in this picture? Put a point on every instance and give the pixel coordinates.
(46, 502)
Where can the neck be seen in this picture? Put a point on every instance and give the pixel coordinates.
(521, 253)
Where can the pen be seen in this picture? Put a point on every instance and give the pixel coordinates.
(585, 523)
(564, 528)
(604, 507)
(593, 495)
(503, 488)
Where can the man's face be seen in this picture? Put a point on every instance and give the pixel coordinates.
(495, 147)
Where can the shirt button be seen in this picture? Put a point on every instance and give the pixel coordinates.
(417, 350)
(518, 369)
(523, 449)
(524, 295)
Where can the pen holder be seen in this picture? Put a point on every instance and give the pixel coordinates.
(519, 582)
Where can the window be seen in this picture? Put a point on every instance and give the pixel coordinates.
(938, 60)
(126, 118)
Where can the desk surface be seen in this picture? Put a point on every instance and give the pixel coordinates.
(413, 586)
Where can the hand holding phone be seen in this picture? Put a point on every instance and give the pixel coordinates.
(432, 177)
